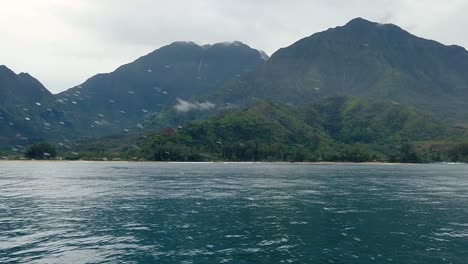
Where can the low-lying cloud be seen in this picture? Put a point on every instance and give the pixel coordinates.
(183, 106)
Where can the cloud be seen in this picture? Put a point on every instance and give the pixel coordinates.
(64, 42)
(183, 106)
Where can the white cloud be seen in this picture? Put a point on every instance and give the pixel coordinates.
(184, 106)
(64, 42)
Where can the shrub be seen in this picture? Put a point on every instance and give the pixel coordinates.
(42, 151)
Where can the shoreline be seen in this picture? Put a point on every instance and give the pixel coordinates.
(236, 162)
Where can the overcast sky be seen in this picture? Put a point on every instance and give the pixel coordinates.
(64, 42)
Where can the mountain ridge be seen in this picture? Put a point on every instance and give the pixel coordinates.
(120, 100)
(21, 100)
(364, 58)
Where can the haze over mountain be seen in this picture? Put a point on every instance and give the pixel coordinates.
(363, 58)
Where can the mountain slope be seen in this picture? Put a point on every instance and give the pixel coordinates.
(20, 89)
(121, 99)
(336, 129)
(22, 99)
(357, 120)
(362, 58)
(262, 132)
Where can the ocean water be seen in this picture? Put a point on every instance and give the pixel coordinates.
(85, 212)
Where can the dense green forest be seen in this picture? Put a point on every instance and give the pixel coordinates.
(336, 129)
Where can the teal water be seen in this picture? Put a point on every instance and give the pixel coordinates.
(78, 212)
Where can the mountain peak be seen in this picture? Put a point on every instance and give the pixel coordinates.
(233, 43)
(359, 21)
(25, 75)
(183, 43)
(207, 46)
(227, 44)
(191, 43)
(5, 69)
(361, 24)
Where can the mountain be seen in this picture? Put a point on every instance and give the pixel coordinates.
(108, 103)
(364, 59)
(20, 89)
(22, 99)
(183, 82)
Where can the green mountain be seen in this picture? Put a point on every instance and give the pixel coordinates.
(20, 89)
(359, 89)
(364, 59)
(335, 129)
(22, 99)
(121, 100)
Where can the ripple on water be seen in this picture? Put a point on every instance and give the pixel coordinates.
(232, 213)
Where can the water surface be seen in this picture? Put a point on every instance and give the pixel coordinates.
(84, 212)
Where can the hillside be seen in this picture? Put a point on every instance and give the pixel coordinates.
(336, 129)
(121, 100)
(364, 59)
(22, 100)
(20, 89)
